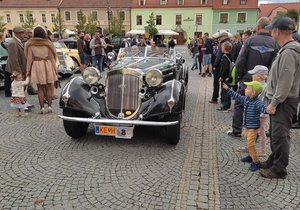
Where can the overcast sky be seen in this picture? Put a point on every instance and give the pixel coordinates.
(276, 1)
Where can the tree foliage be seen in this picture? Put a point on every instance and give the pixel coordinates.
(151, 25)
(58, 25)
(117, 24)
(2, 24)
(29, 21)
(80, 26)
(292, 13)
(91, 25)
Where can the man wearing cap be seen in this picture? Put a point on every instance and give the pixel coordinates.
(259, 49)
(283, 95)
(16, 60)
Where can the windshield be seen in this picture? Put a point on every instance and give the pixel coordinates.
(148, 51)
(59, 45)
(133, 51)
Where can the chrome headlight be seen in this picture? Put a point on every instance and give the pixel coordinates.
(111, 56)
(91, 75)
(154, 78)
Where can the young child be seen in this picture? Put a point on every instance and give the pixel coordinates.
(253, 106)
(224, 74)
(260, 73)
(18, 100)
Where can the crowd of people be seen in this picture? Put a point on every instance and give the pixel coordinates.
(267, 66)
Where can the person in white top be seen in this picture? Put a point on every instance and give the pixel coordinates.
(18, 99)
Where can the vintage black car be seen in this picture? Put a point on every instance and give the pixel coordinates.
(146, 86)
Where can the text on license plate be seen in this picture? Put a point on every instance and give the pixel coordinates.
(118, 132)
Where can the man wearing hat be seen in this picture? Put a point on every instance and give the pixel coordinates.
(16, 60)
(259, 49)
(283, 95)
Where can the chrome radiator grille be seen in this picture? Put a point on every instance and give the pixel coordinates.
(122, 93)
(61, 59)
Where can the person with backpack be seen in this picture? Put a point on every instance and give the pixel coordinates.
(225, 73)
(259, 49)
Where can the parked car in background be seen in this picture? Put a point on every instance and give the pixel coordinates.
(3, 60)
(65, 64)
(118, 42)
(71, 49)
(145, 86)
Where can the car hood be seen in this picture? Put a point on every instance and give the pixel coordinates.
(144, 64)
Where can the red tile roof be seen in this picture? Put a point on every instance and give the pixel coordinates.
(28, 3)
(267, 9)
(170, 4)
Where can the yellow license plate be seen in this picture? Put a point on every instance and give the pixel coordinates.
(105, 130)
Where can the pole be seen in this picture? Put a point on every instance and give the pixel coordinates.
(59, 19)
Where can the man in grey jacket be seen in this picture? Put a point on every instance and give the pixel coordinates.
(259, 49)
(283, 93)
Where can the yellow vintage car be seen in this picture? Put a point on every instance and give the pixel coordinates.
(71, 44)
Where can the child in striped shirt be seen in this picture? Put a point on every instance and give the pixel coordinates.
(253, 107)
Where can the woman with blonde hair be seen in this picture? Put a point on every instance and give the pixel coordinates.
(41, 66)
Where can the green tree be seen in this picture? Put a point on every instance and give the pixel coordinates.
(151, 25)
(117, 27)
(291, 13)
(2, 24)
(29, 21)
(91, 25)
(58, 25)
(80, 26)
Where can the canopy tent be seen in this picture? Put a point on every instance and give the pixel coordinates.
(217, 34)
(160, 32)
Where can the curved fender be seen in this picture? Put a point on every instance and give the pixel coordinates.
(79, 97)
(159, 103)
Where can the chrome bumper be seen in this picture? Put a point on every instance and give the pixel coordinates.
(118, 122)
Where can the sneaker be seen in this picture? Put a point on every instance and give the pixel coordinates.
(30, 106)
(247, 159)
(225, 111)
(265, 165)
(209, 74)
(26, 109)
(267, 173)
(254, 166)
(203, 74)
(230, 133)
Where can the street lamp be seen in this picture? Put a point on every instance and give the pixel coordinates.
(59, 19)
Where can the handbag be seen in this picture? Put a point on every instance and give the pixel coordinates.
(57, 84)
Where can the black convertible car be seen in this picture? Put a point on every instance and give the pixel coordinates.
(145, 86)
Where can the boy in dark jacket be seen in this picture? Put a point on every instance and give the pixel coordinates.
(224, 75)
(253, 106)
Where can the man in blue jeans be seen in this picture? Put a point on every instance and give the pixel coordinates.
(97, 45)
(283, 86)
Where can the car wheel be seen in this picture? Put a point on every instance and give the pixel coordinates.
(74, 129)
(173, 131)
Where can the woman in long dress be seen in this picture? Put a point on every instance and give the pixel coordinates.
(41, 66)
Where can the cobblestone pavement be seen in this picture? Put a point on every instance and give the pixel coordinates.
(42, 168)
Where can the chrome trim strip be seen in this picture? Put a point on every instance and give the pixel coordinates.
(119, 122)
(172, 93)
(67, 87)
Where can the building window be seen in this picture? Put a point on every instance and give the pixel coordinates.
(67, 15)
(8, 20)
(139, 20)
(30, 17)
(52, 18)
(142, 2)
(178, 20)
(241, 17)
(163, 2)
(180, 2)
(122, 15)
(43, 18)
(95, 15)
(223, 17)
(21, 18)
(243, 2)
(225, 2)
(198, 19)
(158, 20)
(203, 1)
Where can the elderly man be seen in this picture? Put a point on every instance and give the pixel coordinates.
(283, 93)
(259, 49)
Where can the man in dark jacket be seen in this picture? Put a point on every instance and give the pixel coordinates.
(259, 49)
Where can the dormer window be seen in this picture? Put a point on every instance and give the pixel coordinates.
(225, 2)
(203, 1)
(243, 2)
(163, 2)
(142, 2)
(180, 2)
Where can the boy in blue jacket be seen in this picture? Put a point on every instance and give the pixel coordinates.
(253, 106)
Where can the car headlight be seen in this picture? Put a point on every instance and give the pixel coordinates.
(111, 55)
(154, 78)
(91, 75)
